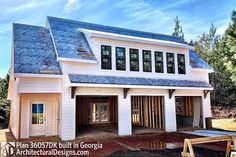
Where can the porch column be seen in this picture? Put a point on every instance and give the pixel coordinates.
(206, 108)
(170, 114)
(67, 125)
(124, 115)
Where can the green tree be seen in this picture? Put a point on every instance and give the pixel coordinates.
(178, 31)
(229, 44)
(4, 103)
(211, 47)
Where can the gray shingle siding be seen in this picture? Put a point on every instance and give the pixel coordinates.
(33, 50)
(93, 79)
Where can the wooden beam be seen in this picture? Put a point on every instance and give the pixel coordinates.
(73, 92)
(205, 92)
(171, 91)
(125, 91)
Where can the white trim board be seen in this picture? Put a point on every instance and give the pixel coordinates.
(134, 86)
(99, 34)
(18, 75)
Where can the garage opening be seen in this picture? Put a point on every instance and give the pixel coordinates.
(96, 116)
(147, 114)
(188, 112)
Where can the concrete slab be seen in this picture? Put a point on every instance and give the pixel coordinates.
(210, 133)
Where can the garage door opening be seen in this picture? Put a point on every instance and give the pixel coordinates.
(147, 114)
(96, 116)
(188, 112)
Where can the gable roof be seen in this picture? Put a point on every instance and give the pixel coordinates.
(33, 50)
(115, 80)
(196, 62)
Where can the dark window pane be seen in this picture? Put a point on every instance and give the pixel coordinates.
(147, 67)
(120, 52)
(134, 65)
(120, 58)
(106, 57)
(134, 60)
(181, 64)
(147, 61)
(159, 62)
(170, 63)
(120, 64)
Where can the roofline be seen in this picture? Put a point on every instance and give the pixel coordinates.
(20, 75)
(100, 34)
(205, 70)
(87, 23)
(134, 86)
(77, 60)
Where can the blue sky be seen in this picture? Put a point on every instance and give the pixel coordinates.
(146, 15)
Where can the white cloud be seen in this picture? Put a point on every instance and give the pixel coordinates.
(25, 6)
(72, 6)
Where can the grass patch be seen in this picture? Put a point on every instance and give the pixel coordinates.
(225, 124)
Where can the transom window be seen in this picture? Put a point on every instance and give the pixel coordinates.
(159, 62)
(106, 57)
(147, 61)
(170, 63)
(181, 64)
(134, 59)
(120, 58)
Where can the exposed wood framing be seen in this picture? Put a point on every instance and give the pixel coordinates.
(188, 149)
(171, 91)
(83, 108)
(73, 92)
(125, 92)
(148, 111)
(205, 92)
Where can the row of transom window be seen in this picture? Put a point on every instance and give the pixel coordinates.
(106, 60)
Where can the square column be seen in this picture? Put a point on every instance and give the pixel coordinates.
(124, 116)
(170, 114)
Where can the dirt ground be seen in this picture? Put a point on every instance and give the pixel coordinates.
(161, 144)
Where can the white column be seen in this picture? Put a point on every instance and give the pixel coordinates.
(206, 108)
(170, 114)
(124, 116)
(67, 127)
(196, 111)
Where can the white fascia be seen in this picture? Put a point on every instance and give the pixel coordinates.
(99, 34)
(203, 70)
(76, 60)
(20, 75)
(135, 86)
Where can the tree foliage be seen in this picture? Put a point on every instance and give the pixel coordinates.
(178, 31)
(4, 103)
(212, 47)
(229, 47)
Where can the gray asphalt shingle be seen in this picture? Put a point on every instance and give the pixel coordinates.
(33, 50)
(94, 79)
(197, 62)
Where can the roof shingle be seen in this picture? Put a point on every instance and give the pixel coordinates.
(94, 79)
(33, 50)
(197, 62)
